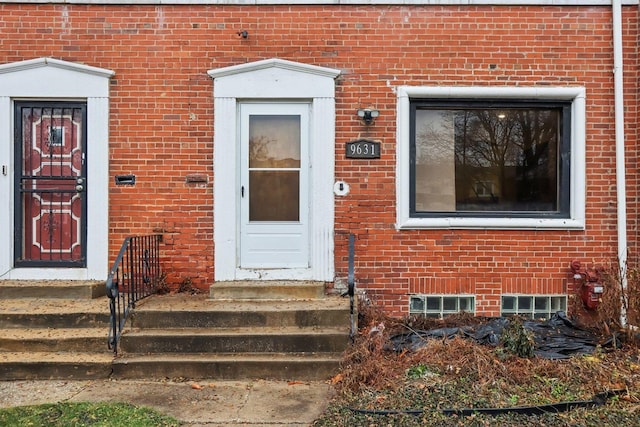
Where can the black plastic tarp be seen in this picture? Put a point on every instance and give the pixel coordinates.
(556, 338)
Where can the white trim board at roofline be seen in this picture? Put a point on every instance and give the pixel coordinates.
(339, 2)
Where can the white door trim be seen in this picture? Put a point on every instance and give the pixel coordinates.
(274, 80)
(52, 79)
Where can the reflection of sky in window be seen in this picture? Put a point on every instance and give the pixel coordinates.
(279, 133)
(434, 135)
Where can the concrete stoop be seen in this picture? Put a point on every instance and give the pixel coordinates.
(267, 290)
(53, 330)
(58, 330)
(52, 289)
(291, 333)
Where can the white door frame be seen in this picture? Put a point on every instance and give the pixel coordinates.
(46, 79)
(274, 80)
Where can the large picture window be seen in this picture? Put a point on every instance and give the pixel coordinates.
(474, 158)
(490, 157)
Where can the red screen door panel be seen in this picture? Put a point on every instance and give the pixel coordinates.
(52, 185)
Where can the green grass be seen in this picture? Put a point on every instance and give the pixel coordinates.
(68, 414)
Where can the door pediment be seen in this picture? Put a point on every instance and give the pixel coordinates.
(70, 79)
(274, 78)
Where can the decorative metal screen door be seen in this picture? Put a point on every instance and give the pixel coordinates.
(50, 194)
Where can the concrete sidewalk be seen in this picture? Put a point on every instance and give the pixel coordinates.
(194, 403)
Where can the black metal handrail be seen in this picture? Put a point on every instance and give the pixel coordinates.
(135, 275)
(351, 290)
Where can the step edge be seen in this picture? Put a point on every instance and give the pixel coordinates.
(240, 331)
(239, 356)
(53, 357)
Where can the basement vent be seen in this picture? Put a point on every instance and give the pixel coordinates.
(533, 306)
(441, 305)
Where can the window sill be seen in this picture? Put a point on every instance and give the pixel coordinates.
(492, 223)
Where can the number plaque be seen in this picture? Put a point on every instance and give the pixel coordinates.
(363, 149)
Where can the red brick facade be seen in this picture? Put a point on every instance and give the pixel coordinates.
(162, 124)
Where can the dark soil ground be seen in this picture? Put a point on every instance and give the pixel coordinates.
(381, 387)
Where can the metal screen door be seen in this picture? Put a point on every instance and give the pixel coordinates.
(50, 184)
(274, 207)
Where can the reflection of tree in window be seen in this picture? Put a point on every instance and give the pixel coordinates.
(491, 159)
(274, 168)
(515, 149)
(539, 158)
(259, 151)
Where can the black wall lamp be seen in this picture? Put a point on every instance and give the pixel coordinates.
(368, 115)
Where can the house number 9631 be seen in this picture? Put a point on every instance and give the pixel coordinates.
(363, 149)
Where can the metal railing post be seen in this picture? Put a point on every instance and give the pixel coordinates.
(351, 283)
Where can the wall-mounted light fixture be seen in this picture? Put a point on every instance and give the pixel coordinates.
(242, 34)
(368, 115)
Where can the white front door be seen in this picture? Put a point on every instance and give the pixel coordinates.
(274, 186)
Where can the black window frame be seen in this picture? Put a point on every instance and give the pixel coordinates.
(564, 155)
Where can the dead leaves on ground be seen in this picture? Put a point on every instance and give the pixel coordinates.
(489, 372)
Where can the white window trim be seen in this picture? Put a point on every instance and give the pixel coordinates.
(575, 94)
(344, 2)
(50, 79)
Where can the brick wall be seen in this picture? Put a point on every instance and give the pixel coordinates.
(161, 126)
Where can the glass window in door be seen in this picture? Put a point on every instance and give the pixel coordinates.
(274, 168)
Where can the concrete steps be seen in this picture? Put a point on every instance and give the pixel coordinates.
(268, 290)
(73, 340)
(52, 289)
(233, 340)
(54, 313)
(294, 332)
(53, 330)
(228, 366)
(54, 366)
(291, 333)
(200, 311)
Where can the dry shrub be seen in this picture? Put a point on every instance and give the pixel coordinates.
(370, 314)
(418, 322)
(367, 363)
(187, 287)
(370, 364)
(619, 296)
(462, 357)
(162, 287)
